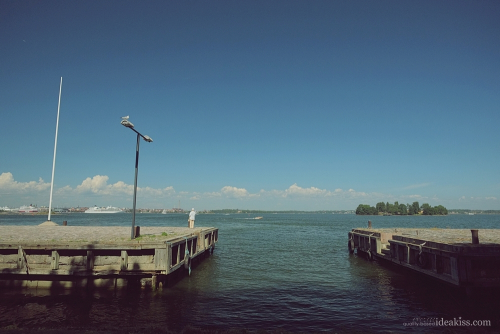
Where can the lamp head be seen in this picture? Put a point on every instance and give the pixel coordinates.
(148, 139)
(126, 123)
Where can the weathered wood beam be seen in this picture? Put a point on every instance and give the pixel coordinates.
(55, 260)
(124, 260)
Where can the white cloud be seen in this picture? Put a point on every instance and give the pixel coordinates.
(295, 190)
(234, 192)
(64, 189)
(418, 185)
(148, 191)
(96, 189)
(95, 184)
(355, 194)
(7, 184)
(415, 196)
(212, 194)
(99, 185)
(476, 199)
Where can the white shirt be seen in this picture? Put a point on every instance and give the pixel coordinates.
(191, 215)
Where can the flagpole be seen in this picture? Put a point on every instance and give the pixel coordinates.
(55, 149)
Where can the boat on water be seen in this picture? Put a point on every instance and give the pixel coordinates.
(28, 209)
(108, 209)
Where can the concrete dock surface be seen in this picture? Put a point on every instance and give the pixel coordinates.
(90, 234)
(443, 235)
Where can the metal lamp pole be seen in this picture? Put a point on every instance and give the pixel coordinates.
(125, 122)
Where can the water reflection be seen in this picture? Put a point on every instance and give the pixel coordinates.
(292, 272)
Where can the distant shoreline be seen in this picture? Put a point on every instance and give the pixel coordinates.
(231, 211)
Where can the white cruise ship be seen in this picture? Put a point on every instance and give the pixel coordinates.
(28, 209)
(109, 209)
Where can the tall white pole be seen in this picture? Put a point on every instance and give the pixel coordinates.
(55, 149)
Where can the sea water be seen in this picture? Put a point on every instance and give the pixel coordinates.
(291, 272)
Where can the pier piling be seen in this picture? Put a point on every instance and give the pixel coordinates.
(475, 237)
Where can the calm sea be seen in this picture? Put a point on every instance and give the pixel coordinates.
(287, 271)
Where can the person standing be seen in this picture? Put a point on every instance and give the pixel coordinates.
(192, 214)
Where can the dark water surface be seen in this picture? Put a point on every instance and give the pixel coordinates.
(286, 271)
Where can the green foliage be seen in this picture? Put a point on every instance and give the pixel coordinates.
(365, 209)
(381, 207)
(413, 209)
(392, 209)
(400, 209)
(436, 210)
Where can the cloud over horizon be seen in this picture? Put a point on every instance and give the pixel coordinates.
(96, 188)
(7, 183)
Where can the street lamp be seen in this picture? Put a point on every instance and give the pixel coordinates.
(126, 123)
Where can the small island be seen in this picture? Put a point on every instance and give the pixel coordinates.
(389, 209)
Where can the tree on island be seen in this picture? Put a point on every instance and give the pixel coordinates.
(365, 209)
(400, 209)
(436, 210)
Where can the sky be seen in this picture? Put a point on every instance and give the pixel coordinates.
(271, 105)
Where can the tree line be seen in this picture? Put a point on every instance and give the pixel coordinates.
(401, 209)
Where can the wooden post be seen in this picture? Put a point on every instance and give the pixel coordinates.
(161, 258)
(20, 258)
(455, 275)
(169, 258)
(65, 223)
(55, 260)
(154, 282)
(124, 260)
(205, 241)
(195, 245)
(369, 224)
(475, 237)
(137, 231)
(90, 260)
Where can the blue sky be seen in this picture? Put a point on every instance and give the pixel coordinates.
(275, 105)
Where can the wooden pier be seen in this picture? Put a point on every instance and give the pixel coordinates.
(78, 256)
(461, 257)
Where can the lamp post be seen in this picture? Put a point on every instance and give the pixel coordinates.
(126, 123)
